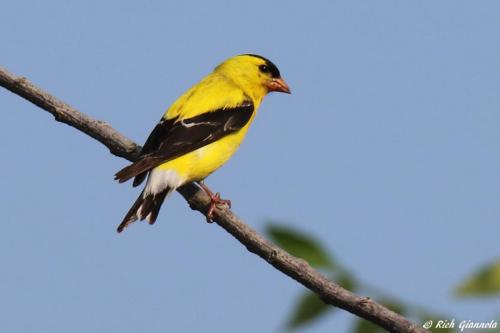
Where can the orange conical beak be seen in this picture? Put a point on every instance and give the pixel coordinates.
(279, 85)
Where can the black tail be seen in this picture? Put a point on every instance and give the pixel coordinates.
(145, 207)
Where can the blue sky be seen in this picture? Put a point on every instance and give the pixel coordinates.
(387, 150)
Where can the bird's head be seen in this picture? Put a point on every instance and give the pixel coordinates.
(254, 74)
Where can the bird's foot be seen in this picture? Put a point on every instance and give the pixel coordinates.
(215, 200)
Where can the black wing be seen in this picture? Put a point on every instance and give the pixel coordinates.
(155, 139)
(180, 137)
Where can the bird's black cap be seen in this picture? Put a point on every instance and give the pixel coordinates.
(275, 73)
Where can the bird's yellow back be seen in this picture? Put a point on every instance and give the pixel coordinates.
(212, 93)
(232, 82)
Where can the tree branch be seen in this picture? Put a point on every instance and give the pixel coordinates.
(295, 268)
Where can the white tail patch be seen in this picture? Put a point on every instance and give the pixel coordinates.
(160, 179)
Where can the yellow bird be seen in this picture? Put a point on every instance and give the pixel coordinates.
(200, 132)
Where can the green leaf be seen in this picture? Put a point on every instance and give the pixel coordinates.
(494, 330)
(346, 281)
(365, 326)
(393, 305)
(485, 282)
(300, 245)
(308, 308)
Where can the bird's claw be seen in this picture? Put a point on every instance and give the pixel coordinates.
(214, 201)
(222, 201)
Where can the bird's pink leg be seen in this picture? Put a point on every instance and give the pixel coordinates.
(215, 200)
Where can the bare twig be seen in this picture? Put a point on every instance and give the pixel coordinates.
(296, 268)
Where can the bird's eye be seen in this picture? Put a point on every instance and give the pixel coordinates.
(264, 68)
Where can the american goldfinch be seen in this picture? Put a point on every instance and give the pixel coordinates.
(200, 132)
